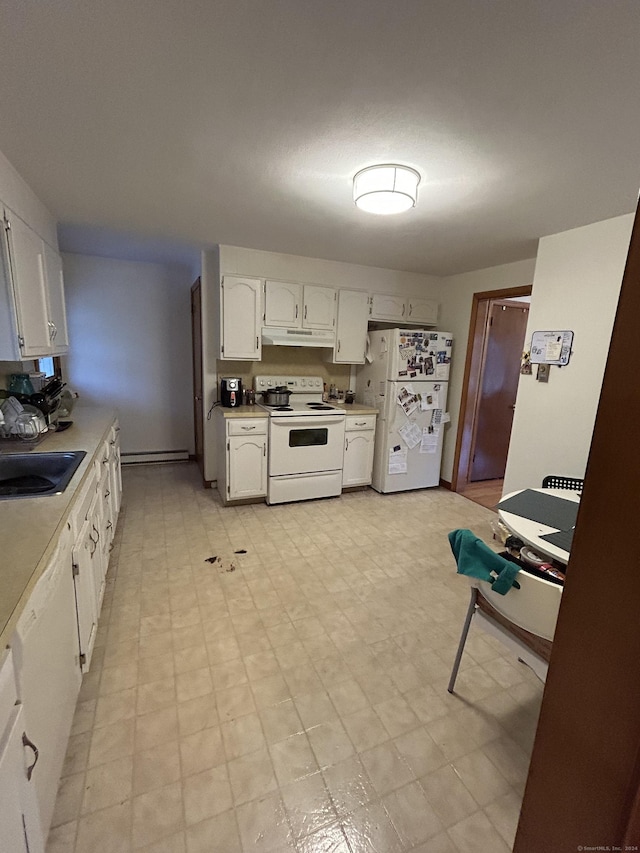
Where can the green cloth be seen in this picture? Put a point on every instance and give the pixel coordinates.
(476, 559)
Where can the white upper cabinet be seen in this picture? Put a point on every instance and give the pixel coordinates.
(283, 304)
(296, 306)
(403, 309)
(319, 307)
(32, 306)
(241, 318)
(422, 310)
(57, 309)
(351, 330)
(387, 307)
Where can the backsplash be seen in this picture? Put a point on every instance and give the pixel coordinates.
(298, 361)
(9, 367)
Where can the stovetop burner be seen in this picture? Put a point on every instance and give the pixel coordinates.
(320, 407)
(281, 409)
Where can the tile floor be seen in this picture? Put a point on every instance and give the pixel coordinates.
(292, 698)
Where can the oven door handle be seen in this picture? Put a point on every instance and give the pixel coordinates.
(307, 421)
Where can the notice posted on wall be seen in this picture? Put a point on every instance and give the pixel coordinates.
(398, 460)
(430, 437)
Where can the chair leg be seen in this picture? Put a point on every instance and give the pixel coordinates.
(463, 638)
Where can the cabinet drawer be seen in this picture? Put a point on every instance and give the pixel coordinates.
(360, 422)
(246, 426)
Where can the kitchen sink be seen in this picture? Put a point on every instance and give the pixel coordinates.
(30, 475)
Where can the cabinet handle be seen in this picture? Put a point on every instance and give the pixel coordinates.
(55, 331)
(338, 345)
(264, 449)
(361, 423)
(248, 427)
(257, 342)
(346, 444)
(403, 307)
(410, 309)
(31, 745)
(107, 493)
(305, 312)
(296, 312)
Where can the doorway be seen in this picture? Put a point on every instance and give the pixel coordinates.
(492, 371)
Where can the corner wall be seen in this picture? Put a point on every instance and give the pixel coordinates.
(576, 286)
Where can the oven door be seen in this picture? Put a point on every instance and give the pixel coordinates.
(305, 444)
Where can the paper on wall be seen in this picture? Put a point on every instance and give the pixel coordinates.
(442, 371)
(398, 460)
(411, 434)
(437, 417)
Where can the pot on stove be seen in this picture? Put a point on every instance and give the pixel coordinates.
(278, 396)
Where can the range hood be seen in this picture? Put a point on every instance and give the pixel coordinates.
(279, 337)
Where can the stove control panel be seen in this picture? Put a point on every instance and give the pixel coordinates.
(295, 384)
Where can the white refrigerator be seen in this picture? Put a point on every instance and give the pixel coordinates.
(406, 378)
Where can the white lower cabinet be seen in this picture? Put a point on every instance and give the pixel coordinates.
(359, 439)
(45, 647)
(21, 830)
(243, 443)
(50, 649)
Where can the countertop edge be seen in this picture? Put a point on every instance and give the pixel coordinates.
(58, 442)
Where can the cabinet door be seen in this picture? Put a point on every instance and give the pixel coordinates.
(319, 307)
(283, 304)
(387, 307)
(57, 310)
(115, 473)
(48, 671)
(85, 591)
(26, 254)
(351, 332)
(241, 315)
(422, 311)
(21, 831)
(247, 467)
(358, 458)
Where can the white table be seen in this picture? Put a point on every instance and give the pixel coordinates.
(531, 531)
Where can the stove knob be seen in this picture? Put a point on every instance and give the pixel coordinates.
(318, 382)
(303, 382)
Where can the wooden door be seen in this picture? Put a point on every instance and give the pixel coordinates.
(504, 340)
(196, 352)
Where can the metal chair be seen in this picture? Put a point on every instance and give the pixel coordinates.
(524, 620)
(553, 481)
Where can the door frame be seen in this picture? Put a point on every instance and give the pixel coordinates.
(196, 362)
(471, 379)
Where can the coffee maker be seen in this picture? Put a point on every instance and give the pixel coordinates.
(230, 392)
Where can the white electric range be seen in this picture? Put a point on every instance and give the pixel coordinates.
(306, 440)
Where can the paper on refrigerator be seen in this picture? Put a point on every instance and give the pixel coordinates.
(429, 442)
(398, 460)
(411, 434)
(408, 400)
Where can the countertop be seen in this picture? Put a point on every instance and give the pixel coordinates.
(258, 412)
(30, 527)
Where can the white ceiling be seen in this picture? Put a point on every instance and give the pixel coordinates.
(243, 121)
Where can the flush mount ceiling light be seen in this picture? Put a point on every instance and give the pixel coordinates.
(386, 189)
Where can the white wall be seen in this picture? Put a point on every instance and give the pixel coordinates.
(456, 299)
(130, 333)
(576, 286)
